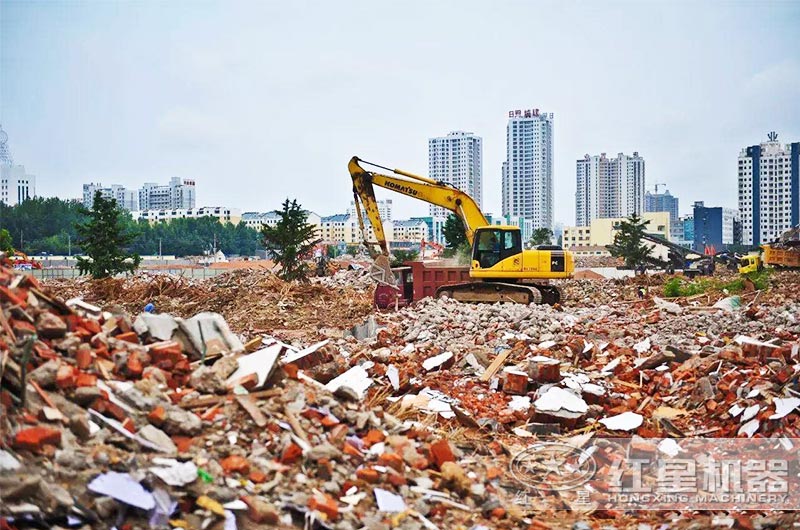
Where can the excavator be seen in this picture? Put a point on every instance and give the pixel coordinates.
(500, 270)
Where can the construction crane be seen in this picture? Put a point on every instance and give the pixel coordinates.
(500, 269)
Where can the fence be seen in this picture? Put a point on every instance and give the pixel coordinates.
(73, 272)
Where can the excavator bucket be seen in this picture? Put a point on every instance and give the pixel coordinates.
(381, 271)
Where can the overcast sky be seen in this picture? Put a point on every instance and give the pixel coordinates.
(264, 100)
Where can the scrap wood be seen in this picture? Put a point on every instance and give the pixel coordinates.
(292, 420)
(45, 397)
(207, 401)
(496, 364)
(247, 403)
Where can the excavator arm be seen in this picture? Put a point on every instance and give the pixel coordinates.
(415, 186)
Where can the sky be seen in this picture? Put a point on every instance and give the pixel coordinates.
(259, 101)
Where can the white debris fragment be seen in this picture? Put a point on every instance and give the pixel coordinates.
(784, 406)
(388, 501)
(173, 472)
(643, 346)
(520, 403)
(735, 410)
(122, 487)
(749, 428)
(260, 362)
(669, 307)
(610, 367)
(750, 412)
(557, 398)
(669, 447)
(394, 376)
(356, 379)
(436, 361)
(627, 421)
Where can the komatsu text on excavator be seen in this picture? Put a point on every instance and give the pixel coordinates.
(501, 270)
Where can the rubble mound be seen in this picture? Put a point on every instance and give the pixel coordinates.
(248, 300)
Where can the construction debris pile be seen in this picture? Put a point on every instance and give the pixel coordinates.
(250, 301)
(295, 417)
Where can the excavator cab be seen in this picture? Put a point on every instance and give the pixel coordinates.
(494, 244)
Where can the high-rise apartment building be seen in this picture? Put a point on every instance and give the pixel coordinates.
(126, 199)
(458, 160)
(664, 202)
(174, 195)
(16, 185)
(608, 188)
(384, 210)
(769, 190)
(528, 169)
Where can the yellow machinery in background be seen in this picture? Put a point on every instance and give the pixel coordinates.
(501, 269)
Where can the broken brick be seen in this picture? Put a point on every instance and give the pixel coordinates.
(35, 438)
(441, 452)
(235, 464)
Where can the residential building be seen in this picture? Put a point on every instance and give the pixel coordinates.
(458, 160)
(256, 220)
(337, 228)
(769, 190)
(685, 231)
(715, 228)
(608, 187)
(221, 213)
(126, 199)
(601, 232)
(414, 230)
(527, 182)
(525, 225)
(664, 202)
(384, 209)
(16, 185)
(176, 194)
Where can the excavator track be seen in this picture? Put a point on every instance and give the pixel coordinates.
(491, 292)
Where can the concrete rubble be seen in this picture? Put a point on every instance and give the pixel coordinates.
(208, 418)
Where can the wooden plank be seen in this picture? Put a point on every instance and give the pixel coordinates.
(496, 364)
(207, 401)
(247, 403)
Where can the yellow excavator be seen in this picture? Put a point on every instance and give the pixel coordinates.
(501, 270)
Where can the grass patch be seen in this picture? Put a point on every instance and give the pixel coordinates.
(681, 287)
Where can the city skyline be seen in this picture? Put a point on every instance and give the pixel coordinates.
(212, 109)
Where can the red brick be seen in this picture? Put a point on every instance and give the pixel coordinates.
(134, 366)
(35, 438)
(22, 327)
(260, 512)
(235, 464)
(7, 295)
(129, 425)
(392, 460)
(157, 415)
(86, 380)
(257, 477)
(83, 357)
(441, 452)
(106, 408)
(372, 437)
(515, 383)
(324, 504)
(65, 377)
(91, 325)
(291, 454)
(130, 336)
(367, 474)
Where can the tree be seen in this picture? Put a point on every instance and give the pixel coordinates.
(399, 257)
(104, 237)
(291, 241)
(6, 244)
(542, 236)
(453, 232)
(628, 242)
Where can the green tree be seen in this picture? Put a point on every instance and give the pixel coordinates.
(399, 257)
(6, 244)
(291, 241)
(542, 236)
(628, 242)
(103, 238)
(453, 232)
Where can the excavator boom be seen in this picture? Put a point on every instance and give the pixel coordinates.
(501, 270)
